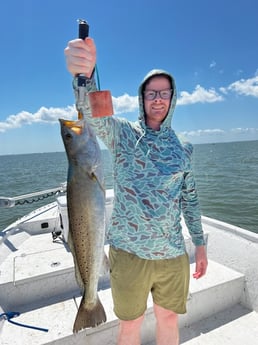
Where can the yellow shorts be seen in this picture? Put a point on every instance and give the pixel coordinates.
(132, 278)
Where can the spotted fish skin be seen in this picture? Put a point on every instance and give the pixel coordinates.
(86, 212)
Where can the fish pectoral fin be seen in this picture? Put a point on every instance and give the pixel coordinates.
(89, 317)
(95, 178)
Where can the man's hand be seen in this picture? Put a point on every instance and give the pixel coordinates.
(200, 261)
(81, 56)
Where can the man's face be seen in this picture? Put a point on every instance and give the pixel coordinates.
(156, 109)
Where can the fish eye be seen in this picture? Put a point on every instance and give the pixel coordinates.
(68, 136)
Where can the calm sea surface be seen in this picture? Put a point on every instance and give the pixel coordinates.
(226, 176)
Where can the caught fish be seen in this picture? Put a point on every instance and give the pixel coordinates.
(86, 213)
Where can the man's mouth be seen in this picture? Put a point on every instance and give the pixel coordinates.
(159, 107)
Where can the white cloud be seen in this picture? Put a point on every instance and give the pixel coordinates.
(223, 90)
(218, 131)
(245, 130)
(125, 104)
(122, 104)
(213, 64)
(219, 135)
(203, 132)
(47, 115)
(246, 87)
(199, 95)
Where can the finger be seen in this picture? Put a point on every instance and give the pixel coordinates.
(197, 275)
(80, 66)
(200, 270)
(81, 56)
(90, 45)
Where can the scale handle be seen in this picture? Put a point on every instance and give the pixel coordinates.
(83, 33)
(83, 29)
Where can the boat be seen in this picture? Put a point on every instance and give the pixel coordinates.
(39, 296)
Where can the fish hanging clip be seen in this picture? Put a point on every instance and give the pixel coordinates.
(100, 101)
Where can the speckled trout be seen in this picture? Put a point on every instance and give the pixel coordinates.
(86, 213)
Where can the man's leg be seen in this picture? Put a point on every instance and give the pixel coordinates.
(167, 326)
(129, 332)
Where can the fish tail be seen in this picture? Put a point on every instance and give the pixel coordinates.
(89, 317)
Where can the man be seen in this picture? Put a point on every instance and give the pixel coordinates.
(153, 185)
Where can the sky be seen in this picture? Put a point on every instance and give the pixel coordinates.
(210, 47)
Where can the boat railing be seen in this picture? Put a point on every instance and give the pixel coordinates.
(8, 202)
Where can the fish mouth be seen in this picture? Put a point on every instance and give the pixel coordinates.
(75, 126)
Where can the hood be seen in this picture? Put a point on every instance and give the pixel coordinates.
(167, 122)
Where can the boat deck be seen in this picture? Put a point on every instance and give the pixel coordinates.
(234, 326)
(58, 317)
(37, 280)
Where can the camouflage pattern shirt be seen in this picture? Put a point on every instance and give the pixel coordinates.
(153, 183)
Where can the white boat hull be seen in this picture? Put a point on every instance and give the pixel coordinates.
(37, 280)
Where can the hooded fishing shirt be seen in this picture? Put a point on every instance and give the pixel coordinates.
(153, 182)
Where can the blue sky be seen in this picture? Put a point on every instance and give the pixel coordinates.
(210, 47)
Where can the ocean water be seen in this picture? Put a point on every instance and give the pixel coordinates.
(226, 176)
(227, 181)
